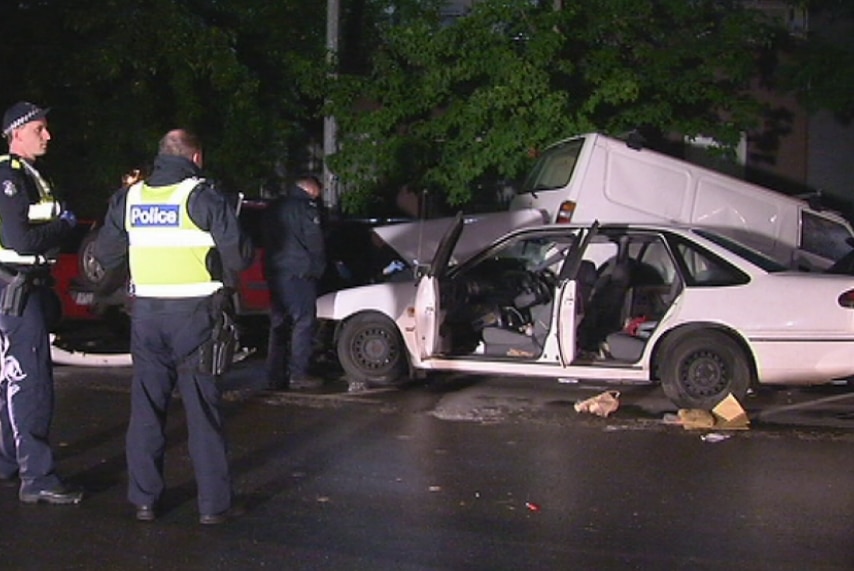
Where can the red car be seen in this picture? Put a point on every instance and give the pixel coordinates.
(66, 273)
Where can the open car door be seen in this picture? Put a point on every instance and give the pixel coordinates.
(428, 311)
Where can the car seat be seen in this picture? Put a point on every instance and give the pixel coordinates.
(607, 302)
(585, 280)
(527, 341)
(604, 307)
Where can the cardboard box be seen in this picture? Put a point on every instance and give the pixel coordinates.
(729, 415)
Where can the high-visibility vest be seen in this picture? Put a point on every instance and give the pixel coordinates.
(45, 210)
(167, 250)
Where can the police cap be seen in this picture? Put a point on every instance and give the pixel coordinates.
(20, 114)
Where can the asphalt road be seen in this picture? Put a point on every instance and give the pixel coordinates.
(458, 473)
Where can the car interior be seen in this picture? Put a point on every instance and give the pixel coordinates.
(502, 305)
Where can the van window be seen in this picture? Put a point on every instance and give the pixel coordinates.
(823, 236)
(554, 167)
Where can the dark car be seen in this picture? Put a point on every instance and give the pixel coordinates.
(355, 257)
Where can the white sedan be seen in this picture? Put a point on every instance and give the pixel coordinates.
(687, 307)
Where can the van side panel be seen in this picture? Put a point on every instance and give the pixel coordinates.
(622, 185)
(641, 181)
(731, 207)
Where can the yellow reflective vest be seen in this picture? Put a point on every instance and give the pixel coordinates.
(167, 250)
(45, 210)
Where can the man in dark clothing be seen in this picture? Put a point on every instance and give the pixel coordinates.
(182, 240)
(295, 258)
(32, 226)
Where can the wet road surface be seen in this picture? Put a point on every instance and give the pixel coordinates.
(460, 473)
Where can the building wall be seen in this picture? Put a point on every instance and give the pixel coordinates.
(817, 149)
(830, 151)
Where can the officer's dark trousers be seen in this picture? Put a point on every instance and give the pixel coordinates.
(26, 396)
(165, 337)
(293, 314)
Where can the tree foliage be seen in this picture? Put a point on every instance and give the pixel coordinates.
(120, 73)
(819, 69)
(447, 106)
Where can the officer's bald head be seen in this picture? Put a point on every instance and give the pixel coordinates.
(182, 143)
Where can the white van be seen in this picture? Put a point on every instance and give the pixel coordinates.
(594, 177)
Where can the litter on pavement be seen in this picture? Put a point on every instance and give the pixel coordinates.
(728, 414)
(602, 404)
(713, 437)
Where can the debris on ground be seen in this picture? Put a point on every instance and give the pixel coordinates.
(713, 437)
(695, 419)
(356, 386)
(728, 414)
(602, 404)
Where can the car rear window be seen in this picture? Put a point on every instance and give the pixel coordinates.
(756, 258)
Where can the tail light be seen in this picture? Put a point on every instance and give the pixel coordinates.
(847, 299)
(565, 212)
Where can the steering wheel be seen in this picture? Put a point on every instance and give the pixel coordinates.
(537, 289)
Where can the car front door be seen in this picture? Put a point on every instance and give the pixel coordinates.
(427, 298)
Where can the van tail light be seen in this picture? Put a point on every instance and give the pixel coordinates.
(565, 212)
(847, 299)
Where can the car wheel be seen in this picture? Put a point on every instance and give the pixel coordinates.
(92, 274)
(371, 350)
(702, 367)
(91, 271)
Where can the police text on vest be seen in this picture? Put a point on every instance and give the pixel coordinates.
(159, 215)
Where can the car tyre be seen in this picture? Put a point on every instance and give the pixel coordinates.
(700, 368)
(371, 350)
(92, 274)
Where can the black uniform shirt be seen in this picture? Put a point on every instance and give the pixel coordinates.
(293, 237)
(207, 207)
(17, 191)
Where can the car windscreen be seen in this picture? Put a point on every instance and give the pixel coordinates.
(535, 251)
(554, 167)
(756, 258)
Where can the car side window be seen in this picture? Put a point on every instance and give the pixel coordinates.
(600, 252)
(704, 269)
(655, 255)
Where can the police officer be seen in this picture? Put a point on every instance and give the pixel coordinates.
(295, 258)
(182, 240)
(32, 226)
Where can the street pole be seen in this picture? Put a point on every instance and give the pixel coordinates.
(330, 128)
